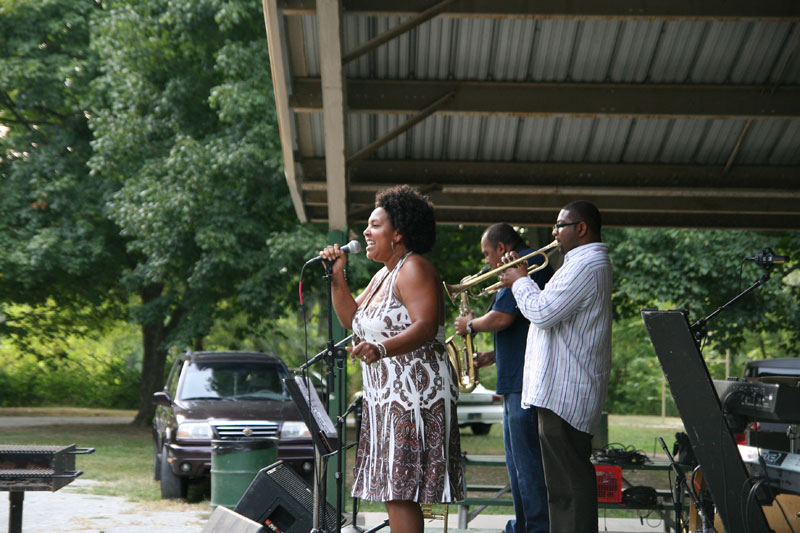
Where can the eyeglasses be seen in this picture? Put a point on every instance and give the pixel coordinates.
(557, 227)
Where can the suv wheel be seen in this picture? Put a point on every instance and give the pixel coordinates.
(480, 429)
(172, 486)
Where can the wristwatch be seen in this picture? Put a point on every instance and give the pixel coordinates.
(469, 328)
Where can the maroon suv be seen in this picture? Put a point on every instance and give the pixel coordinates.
(223, 396)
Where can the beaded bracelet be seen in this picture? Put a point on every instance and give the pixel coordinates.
(381, 349)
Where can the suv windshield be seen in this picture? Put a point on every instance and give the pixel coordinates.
(233, 381)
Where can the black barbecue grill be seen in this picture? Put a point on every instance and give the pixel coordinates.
(24, 468)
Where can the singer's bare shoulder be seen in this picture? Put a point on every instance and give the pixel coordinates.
(417, 269)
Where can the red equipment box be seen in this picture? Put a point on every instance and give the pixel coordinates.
(609, 483)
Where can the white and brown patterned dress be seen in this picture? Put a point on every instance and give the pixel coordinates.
(409, 446)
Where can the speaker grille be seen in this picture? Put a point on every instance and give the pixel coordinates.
(287, 478)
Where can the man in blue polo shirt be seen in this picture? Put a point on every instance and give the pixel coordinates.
(520, 426)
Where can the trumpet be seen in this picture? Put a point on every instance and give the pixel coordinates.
(466, 284)
(462, 360)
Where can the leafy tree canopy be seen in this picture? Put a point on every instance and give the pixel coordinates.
(187, 126)
(700, 270)
(57, 247)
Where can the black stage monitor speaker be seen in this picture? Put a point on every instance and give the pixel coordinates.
(223, 520)
(282, 501)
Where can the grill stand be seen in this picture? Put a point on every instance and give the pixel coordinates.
(15, 499)
(34, 468)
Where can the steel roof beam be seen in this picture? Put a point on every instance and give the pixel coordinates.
(398, 30)
(559, 99)
(650, 199)
(611, 218)
(784, 10)
(465, 192)
(388, 172)
(628, 219)
(399, 130)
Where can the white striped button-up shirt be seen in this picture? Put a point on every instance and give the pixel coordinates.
(568, 354)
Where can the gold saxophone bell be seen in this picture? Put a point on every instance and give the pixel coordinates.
(462, 360)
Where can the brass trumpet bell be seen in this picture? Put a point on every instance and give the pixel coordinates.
(468, 283)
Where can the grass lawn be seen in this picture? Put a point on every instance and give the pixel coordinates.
(642, 432)
(65, 412)
(123, 460)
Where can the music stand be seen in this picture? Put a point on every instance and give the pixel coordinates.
(323, 432)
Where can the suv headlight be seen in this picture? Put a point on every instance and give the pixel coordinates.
(194, 431)
(294, 430)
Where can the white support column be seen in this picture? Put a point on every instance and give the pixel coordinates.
(334, 109)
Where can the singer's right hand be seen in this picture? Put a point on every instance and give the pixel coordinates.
(336, 256)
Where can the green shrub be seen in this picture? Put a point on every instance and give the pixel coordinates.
(100, 371)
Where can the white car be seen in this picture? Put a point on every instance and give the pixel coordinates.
(480, 409)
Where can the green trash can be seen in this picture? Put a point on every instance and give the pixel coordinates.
(234, 465)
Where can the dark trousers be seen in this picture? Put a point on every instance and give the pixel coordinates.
(570, 475)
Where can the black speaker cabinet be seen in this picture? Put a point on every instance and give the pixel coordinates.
(223, 520)
(282, 501)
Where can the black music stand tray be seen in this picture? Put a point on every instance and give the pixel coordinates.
(701, 412)
(323, 432)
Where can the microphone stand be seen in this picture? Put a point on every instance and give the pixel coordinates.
(697, 328)
(341, 419)
(334, 359)
(324, 353)
(703, 508)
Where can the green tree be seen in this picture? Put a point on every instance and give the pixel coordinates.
(697, 270)
(186, 127)
(700, 270)
(57, 249)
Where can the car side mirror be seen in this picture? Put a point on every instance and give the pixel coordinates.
(162, 398)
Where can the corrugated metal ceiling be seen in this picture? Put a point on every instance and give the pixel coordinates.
(756, 149)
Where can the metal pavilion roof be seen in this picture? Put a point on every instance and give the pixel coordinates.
(663, 113)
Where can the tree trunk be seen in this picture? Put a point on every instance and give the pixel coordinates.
(153, 360)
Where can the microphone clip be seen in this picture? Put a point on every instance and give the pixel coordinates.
(767, 259)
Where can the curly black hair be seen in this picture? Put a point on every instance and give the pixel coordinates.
(411, 213)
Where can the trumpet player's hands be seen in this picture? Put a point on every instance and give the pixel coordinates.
(512, 274)
(364, 351)
(461, 323)
(483, 359)
(336, 256)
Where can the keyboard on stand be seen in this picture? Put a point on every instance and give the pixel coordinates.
(782, 469)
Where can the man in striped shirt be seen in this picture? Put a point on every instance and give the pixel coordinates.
(568, 362)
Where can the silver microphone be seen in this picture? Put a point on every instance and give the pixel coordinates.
(352, 247)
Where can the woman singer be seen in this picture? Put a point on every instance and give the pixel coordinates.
(409, 450)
